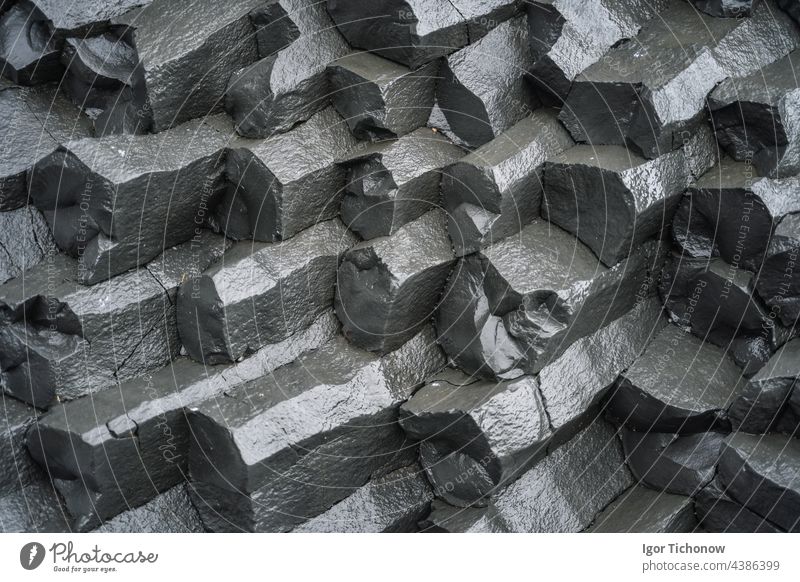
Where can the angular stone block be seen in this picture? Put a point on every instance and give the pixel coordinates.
(642, 510)
(29, 55)
(567, 37)
(612, 199)
(718, 513)
(669, 462)
(517, 305)
(35, 507)
(129, 444)
(477, 435)
(756, 117)
(392, 503)
(260, 294)
(25, 241)
(289, 84)
(778, 281)
(411, 32)
(288, 182)
(170, 512)
(650, 92)
(485, 15)
(85, 18)
(482, 90)
(726, 8)
(495, 191)
(679, 384)
(394, 182)
(760, 472)
(119, 201)
(288, 446)
(16, 466)
(388, 288)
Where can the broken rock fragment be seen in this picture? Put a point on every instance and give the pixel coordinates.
(25, 241)
(642, 510)
(16, 467)
(85, 18)
(778, 282)
(170, 512)
(680, 384)
(29, 55)
(388, 288)
(496, 190)
(718, 513)
(394, 182)
(244, 459)
(260, 293)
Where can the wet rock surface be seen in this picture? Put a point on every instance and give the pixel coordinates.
(643, 510)
(28, 53)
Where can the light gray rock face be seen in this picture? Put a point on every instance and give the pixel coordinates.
(642, 510)
(187, 50)
(718, 513)
(85, 18)
(495, 191)
(16, 467)
(650, 92)
(612, 199)
(778, 282)
(517, 305)
(568, 36)
(337, 407)
(761, 473)
(25, 241)
(669, 462)
(394, 182)
(286, 183)
(117, 202)
(727, 8)
(391, 503)
(680, 384)
(482, 90)
(29, 55)
(756, 117)
(127, 445)
(758, 409)
(562, 493)
(35, 507)
(170, 512)
(260, 293)
(381, 99)
(388, 288)
(296, 42)
(411, 32)
(477, 435)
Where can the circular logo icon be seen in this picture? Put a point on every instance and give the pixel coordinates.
(31, 555)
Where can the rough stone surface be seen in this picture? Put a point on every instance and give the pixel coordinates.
(260, 293)
(394, 182)
(25, 241)
(296, 40)
(495, 191)
(761, 473)
(128, 444)
(84, 18)
(170, 512)
(679, 384)
(388, 288)
(642, 510)
(726, 8)
(392, 503)
(337, 406)
(778, 282)
(286, 183)
(28, 53)
(518, 304)
(650, 92)
(33, 508)
(718, 513)
(482, 90)
(16, 467)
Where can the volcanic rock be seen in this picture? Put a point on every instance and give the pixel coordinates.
(642, 510)
(778, 282)
(25, 241)
(82, 19)
(35, 507)
(718, 513)
(727, 8)
(170, 512)
(16, 467)
(29, 55)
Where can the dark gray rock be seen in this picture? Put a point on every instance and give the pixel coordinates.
(517, 305)
(394, 182)
(381, 99)
(130, 443)
(411, 32)
(726, 8)
(485, 15)
(791, 8)
(758, 409)
(565, 39)
(29, 55)
(718, 513)
(679, 384)
(289, 84)
(642, 510)
(477, 435)
(170, 512)
(85, 18)
(388, 288)
(482, 90)
(445, 518)
(755, 117)
(119, 201)
(288, 446)
(650, 92)
(778, 281)
(612, 199)
(438, 122)
(670, 462)
(493, 192)
(25, 241)
(288, 182)
(760, 472)
(36, 507)
(16, 466)
(260, 293)
(392, 503)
